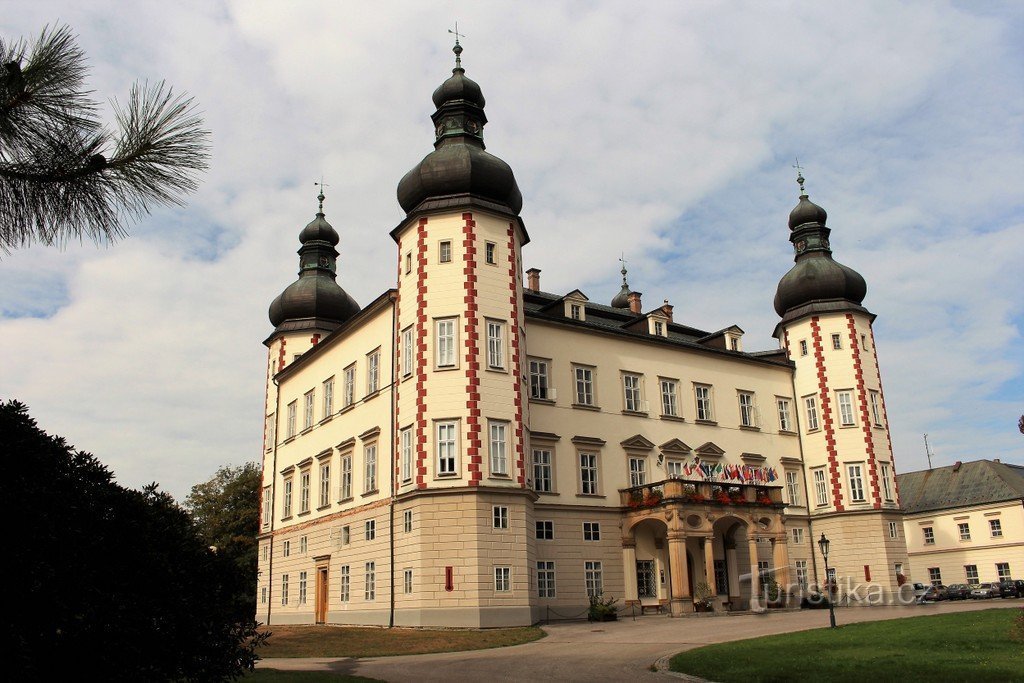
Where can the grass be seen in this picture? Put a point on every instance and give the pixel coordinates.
(343, 641)
(967, 646)
(277, 676)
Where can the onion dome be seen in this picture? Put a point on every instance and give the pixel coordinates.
(459, 168)
(315, 300)
(621, 300)
(817, 282)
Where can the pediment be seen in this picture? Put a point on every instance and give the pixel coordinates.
(710, 450)
(675, 446)
(576, 295)
(637, 441)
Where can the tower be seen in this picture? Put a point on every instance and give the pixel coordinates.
(847, 452)
(459, 407)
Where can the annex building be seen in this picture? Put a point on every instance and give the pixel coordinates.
(471, 450)
(965, 523)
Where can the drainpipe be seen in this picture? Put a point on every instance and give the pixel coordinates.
(391, 464)
(273, 498)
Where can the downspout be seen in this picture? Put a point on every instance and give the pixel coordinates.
(273, 498)
(391, 464)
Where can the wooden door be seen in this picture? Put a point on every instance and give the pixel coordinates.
(321, 595)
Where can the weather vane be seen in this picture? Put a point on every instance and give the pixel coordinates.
(320, 196)
(622, 259)
(456, 33)
(799, 174)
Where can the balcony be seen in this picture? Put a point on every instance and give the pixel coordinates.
(700, 492)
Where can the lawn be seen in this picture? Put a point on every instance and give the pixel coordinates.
(966, 646)
(275, 676)
(344, 641)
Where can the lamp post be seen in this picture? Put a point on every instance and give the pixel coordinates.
(823, 544)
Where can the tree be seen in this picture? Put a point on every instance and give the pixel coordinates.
(62, 173)
(226, 513)
(110, 580)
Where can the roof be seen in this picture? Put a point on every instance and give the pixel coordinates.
(961, 485)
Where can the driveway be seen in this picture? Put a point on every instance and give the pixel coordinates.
(612, 651)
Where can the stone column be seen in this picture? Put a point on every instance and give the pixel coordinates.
(681, 599)
(780, 558)
(709, 563)
(629, 565)
(755, 583)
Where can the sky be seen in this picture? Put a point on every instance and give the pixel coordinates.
(668, 134)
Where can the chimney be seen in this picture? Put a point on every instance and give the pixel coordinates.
(634, 302)
(533, 279)
(666, 308)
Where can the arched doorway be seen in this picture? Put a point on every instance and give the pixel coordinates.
(646, 563)
(731, 562)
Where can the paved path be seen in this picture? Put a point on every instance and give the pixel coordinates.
(613, 651)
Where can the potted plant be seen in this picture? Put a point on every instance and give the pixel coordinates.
(721, 496)
(636, 499)
(702, 598)
(773, 592)
(653, 498)
(602, 609)
(763, 498)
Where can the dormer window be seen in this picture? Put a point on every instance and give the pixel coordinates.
(575, 311)
(659, 328)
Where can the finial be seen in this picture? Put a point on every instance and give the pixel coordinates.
(800, 176)
(320, 197)
(458, 48)
(622, 259)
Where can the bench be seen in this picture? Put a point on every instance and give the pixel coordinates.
(657, 609)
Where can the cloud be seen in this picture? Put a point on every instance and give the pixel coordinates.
(667, 134)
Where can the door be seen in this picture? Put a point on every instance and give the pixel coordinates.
(646, 586)
(321, 595)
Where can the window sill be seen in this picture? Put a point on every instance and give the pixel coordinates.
(879, 427)
(672, 418)
(710, 423)
(370, 493)
(750, 428)
(323, 507)
(442, 477)
(814, 431)
(345, 500)
(499, 477)
(635, 413)
(289, 439)
(304, 514)
(347, 408)
(853, 426)
(503, 371)
(787, 432)
(547, 493)
(306, 430)
(587, 406)
(407, 376)
(285, 519)
(591, 495)
(445, 368)
(546, 401)
(327, 419)
(372, 395)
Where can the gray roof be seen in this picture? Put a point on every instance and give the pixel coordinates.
(961, 485)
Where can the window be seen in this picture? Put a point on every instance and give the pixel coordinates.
(659, 328)
(408, 581)
(1003, 571)
(286, 506)
(502, 579)
(545, 530)
(637, 471)
(542, 465)
(935, 576)
(267, 501)
(593, 575)
(370, 529)
(964, 530)
(837, 341)
(801, 573)
(489, 253)
(971, 572)
(798, 535)
(811, 403)
(499, 517)
(407, 521)
(346, 582)
(645, 583)
(370, 584)
(446, 449)
(407, 354)
(495, 345)
(328, 397)
(893, 530)
(499, 448)
(886, 481)
(307, 416)
(856, 483)
(820, 490)
(864, 341)
(284, 589)
(405, 445)
(271, 431)
(876, 407)
(995, 527)
(588, 474)
(793, 487)
(350, 386)
(803, 347)
(674, 469)
(591, 531)
(830, 576)
(539, 379)
(445, 342)
(545, 579)
(304, 492)
(346, 534)
(325, 484)
(302, 588)
(631, 390)
(748, 414)
(265, 551)
(346, 476)
(292, 410)
(845, 400)
(408, 262)
(263, 595)
(575, 311)
(373, 372)
(445, 251)
(785, 423)
(670, 397)
(286, 548)
(702, 393)
(721, 577)
(929, 535)
(370, 460)
(584, 385)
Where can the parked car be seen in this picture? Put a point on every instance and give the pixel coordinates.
(958, 591)
(1008, 589)
(934, 594)
(984, 591)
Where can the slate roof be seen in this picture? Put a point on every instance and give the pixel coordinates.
(961, 485)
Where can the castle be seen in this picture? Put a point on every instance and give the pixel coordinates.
(470, 450)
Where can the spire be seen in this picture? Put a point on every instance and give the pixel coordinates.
(800, 177)
(621, 300)
(320, 197)
(457, 49)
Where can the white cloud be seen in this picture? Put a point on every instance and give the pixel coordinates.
(666, 133)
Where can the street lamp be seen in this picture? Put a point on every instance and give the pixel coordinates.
(823, 544)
